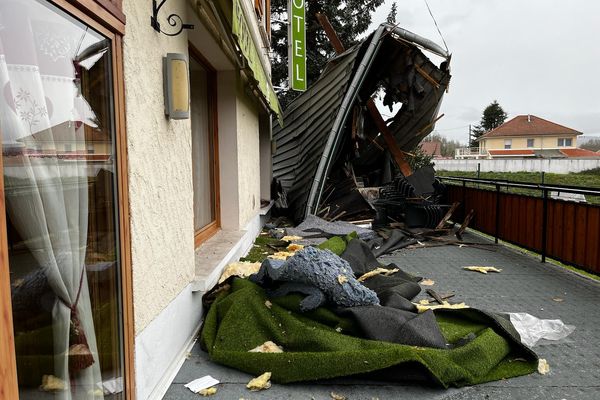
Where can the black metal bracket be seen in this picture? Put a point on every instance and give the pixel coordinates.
(174, 20)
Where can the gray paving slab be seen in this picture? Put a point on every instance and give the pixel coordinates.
(524, 285)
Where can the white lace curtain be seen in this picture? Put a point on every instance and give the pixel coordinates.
(47, 197)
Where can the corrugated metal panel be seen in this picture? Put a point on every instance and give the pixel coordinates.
(316, 123)
(308, 123)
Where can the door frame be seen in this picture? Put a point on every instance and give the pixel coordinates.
(210, 229)
(107, 23)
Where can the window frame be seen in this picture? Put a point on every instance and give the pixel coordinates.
(532, 142)
(206, 232)
(507, 142)
(106, 18)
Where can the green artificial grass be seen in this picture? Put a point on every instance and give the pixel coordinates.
(263, 247)
(240, 320)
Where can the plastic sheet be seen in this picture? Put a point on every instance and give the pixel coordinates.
(532, 329)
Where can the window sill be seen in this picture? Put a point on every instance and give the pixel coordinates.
(213, 255)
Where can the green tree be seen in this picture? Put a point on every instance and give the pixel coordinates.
(349, 18)
(493, 116)
(592, 144)
(391, 18)
(447, 148)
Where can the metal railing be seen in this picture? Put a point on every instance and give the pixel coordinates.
(470, 152)
(564, 230)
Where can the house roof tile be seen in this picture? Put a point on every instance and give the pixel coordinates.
(511, 152)
(529, 125)
(579, 153)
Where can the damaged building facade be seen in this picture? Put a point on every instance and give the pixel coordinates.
(335, 149)
(115, 218)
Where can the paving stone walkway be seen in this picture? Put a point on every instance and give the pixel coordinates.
(524, 285)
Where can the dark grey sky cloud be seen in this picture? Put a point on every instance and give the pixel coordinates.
(538, 57)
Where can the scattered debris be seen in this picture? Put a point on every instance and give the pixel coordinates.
(294, 247)
(543, 366)
(281, 255)
(483, 270)
(338, 329)
(439, 297)
(531, 329)
(427, 282)
(377, 271)
(337, 396)
(291, 238)
(342, 279)
(558, 299)
(208, 392)
(243, 269)
(260, 383)
(51, 383)
(465, 224)
(201, 383)
(267, 347)
(424, 302)
(268, 304)
(445, 305)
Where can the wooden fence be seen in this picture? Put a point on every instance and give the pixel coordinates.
(565, 231)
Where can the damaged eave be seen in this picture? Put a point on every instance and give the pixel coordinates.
(228, 22)
(418, 85)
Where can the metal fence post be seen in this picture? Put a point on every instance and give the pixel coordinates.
(497, 212)
(464, 199)
(544, 223)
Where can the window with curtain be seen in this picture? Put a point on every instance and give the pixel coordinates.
(204, 148)
(58, 163)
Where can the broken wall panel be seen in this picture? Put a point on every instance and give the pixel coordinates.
(328, 130)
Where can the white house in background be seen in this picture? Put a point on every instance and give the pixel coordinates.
(527, 136)
(117, 217)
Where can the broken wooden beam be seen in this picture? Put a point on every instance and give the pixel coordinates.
(465, 224)
(337, 44)
(447, 216)
(392, 146)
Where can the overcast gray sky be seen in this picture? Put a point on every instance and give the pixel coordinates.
(539, 57)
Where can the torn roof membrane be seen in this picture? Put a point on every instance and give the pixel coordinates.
(328, 131)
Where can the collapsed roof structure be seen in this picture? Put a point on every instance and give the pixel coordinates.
(333, 140)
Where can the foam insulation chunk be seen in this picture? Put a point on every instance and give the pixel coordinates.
(543, 366)
(294, 247)
(483, 270)
(422, 307)
(337, 396)
(208, 391)
(51, 383)
(281, 255)
(243, 269)
(267, 347)
(342, 279)
(377, 271)
(291, 238)
(427, 282)
(260, 383)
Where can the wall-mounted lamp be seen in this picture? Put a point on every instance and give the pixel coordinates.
(176, 84)
(172, 19)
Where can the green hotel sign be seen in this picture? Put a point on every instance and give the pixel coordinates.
(297, 44)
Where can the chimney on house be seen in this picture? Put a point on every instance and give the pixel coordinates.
(528, 117)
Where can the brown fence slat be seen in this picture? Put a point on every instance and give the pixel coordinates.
(573, 229)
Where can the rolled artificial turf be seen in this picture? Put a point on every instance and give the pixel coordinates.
(320, 344)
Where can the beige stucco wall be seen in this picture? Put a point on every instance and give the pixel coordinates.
(518, 143)
(248, 157)
(160, 169)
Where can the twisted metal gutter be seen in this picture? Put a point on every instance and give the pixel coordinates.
(333, 141)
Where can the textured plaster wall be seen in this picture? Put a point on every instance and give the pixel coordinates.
(548, 142)
(248, 157)
(160, 169)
